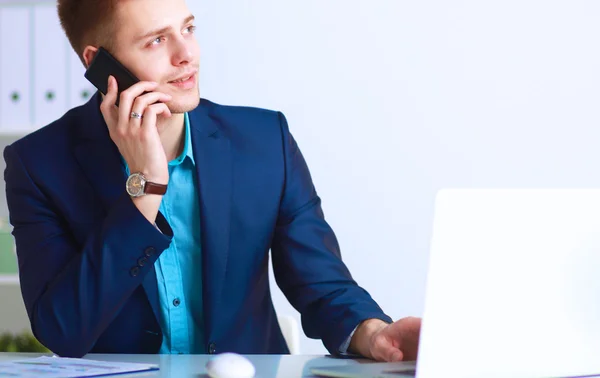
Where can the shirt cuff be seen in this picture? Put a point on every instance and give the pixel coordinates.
(343, 349)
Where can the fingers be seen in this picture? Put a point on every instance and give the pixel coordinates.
(111, 93)
(398, 341)
(152, 112)
(411, 337)
(107, 107)
(404, 328)
(142, 102)
(393, 355)
(383, 349)
(129, 96)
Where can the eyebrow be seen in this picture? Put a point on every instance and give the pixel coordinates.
(163, 30)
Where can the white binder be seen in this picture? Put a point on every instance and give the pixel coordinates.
(15, 69)
(50, 56)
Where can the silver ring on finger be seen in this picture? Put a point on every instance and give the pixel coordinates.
(136, 115)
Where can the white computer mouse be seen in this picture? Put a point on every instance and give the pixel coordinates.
(230, 365)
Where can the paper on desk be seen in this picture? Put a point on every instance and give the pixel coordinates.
(56, 367)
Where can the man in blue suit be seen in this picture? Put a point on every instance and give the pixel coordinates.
(146, 228)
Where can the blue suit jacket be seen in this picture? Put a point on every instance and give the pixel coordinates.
(81, 242)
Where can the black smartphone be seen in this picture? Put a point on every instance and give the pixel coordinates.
(103, 65)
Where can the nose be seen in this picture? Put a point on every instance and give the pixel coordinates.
(183, 52)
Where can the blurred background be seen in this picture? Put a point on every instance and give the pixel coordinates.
(389, 100)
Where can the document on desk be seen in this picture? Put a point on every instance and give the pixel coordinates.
(57, 367)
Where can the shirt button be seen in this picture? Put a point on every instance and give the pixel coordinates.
(149, 251)
(176, 302)
(134, 271)
(212, 348)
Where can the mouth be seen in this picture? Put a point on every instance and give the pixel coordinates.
(185, 82)
(182, 79)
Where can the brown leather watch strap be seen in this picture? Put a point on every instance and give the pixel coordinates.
(154, 188)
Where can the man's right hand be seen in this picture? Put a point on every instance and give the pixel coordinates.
(138, 140)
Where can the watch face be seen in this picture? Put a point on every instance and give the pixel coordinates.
(135, 185)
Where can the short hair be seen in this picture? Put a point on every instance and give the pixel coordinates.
(87, 22)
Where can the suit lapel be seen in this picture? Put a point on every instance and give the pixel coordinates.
(102, 165)
(212, 154)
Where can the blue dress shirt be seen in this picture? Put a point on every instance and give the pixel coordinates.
(179, 269)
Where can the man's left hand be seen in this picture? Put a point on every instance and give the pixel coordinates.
(380, 341)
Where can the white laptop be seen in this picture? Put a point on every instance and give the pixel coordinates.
(513, 288)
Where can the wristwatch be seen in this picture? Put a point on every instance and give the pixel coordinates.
(137, 185)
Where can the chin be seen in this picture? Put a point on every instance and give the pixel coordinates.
(184, 103)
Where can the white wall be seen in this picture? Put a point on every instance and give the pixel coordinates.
(391, 100)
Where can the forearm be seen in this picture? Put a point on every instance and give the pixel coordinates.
(79, 303)
(309, 270)
(307, 261)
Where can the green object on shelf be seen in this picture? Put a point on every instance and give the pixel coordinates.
(22, 343)
(8, 257)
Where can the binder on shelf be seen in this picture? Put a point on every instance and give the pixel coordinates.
(15, 69)
(50, 56)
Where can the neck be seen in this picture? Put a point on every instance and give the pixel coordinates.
(172, 132)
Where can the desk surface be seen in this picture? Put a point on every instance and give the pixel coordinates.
(182, 366)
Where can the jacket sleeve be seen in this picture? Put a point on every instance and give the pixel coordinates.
(72, 292)
(307, 262)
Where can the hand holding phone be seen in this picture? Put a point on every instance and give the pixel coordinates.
(137, 138)
(133, 96)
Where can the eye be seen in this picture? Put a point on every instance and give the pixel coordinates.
(157, 41)
(190, 29)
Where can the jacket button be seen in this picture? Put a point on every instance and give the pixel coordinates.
(142, 261)
(149, 251)
(212, 348)
(134, 271)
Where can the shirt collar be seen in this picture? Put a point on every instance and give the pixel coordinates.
(187, 145)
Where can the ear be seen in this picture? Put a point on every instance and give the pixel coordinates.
(88, 55)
